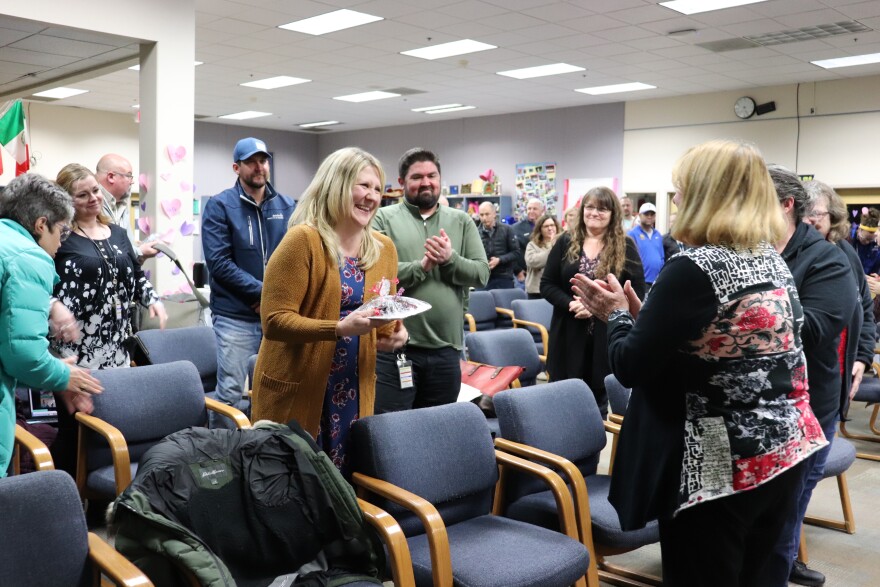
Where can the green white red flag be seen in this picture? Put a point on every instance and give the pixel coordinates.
(14, 136)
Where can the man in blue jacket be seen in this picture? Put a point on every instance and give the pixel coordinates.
(650, 243)
(241, 227)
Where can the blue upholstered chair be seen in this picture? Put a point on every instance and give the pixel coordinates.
(195, 344)
(559, 425)
(868, 392)
(618, 399)
(481, 314)
(139, 407)
(510, 346)
(840, 459)
(534, 316)
(38, 452)
(45, 539)
(435, 470)
(503, 308)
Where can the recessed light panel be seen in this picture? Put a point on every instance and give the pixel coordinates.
(330, 22)
(449, 49)
(247, 114)
(314, 124)
(697, 6)
(272, 83)
(848, 61)
(60, 93)
(444, 110)
(541, 71)
(616, 88)
(441, 107)
(366, 96)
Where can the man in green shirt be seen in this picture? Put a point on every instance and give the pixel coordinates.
(440, 256)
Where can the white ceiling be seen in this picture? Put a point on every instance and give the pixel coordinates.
(617, 41)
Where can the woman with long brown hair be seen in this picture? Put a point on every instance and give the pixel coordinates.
(546, 231)
(596, 246)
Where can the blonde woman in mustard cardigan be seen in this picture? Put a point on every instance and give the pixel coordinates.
(317, 362)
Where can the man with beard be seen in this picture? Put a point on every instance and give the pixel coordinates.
(115, 177)
(440, 256)
(241, 227)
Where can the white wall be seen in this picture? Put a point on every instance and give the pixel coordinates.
(585, 141)
(61, 135)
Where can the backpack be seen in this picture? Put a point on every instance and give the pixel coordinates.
(243, 507)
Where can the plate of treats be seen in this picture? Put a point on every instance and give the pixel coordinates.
(392, 306)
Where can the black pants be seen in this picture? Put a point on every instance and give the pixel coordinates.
(728, 542)
(436, 379)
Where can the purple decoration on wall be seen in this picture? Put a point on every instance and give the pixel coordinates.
(187, 228)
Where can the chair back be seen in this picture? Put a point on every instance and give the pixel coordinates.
(841, 456)
(513, 346)
(618, 395)
(503, 299)
(560, 417)
(482, 307)
(443, 454)
(195, 344)
(43, 533)
(538, 311)
(145, 404)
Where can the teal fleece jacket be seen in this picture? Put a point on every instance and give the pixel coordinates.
(27, 276)
(445, 287)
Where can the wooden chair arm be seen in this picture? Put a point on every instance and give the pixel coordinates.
(615, 418)
(574, 478)
(612, 427)
(435, 529)
(39, 452)
(504, 312)
(393, 537)
(236, 415)
(545, 336)
(472, 324)
(118, 451)
(115, 566)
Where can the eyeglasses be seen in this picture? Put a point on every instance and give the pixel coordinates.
(595, 210)
(127, 176)
(817, 215)
(65, 231)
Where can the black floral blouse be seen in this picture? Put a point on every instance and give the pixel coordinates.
(101, 280)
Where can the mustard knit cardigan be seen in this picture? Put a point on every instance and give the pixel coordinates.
(302, 293)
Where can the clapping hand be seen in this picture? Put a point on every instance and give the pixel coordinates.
(603, 297)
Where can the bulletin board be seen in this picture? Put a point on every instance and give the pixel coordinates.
(535, 180)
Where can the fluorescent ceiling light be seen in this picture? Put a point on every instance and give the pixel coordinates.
(330, 22)
(616, 88)
(245, 115)
(366, 96)
(138, 66)
(697, 6)
(272, 83)
(323, 123)
(848, 61)
(454, 109)
(449, 49)
(441, 107)
(135, 105)
(60, 93)
(541, 70)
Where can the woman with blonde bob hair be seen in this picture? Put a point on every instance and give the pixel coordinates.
(719, 421)
(317, 361)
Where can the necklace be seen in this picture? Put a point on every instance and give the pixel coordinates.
(112, 271)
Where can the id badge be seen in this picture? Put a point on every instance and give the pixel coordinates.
(405, 368)
(118, 305)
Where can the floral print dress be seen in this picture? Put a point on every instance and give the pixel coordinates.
(341, 399)
(101, 280)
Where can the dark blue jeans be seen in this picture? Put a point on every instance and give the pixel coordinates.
(436, 379)
(813, 470)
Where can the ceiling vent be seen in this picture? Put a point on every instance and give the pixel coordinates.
(734, 44)
(404, 91)
(809, 33)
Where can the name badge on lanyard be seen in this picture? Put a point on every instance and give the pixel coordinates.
(405, 368)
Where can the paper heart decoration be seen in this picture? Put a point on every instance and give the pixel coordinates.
(855, 213)
(185, 288)
(147, 273)
(160, 254)
(187, 228)
(165, 176)
(143, 205)
(489, 176)
(175, 270)
(864, 210)
(169, 236)
(176, 153)
(186, 186)
(144, 224)
(171, 207)
(144, 182)
(168, 292)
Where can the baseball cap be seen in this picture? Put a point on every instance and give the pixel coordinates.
(647, 207)
(246, 148)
